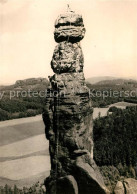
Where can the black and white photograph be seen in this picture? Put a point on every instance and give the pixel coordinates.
(68, 96)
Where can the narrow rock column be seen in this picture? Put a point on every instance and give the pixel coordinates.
(68, 116)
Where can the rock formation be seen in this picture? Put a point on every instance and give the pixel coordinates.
(128, 186)
(68, 116)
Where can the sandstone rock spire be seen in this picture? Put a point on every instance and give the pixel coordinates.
(68, 116)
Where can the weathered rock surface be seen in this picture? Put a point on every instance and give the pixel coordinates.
(90, 180)
(69, 33)
(68, 116)
(128, 186)
(70, 18)
(69, 27)
(119, 189)
(63, 185)
(67, 57)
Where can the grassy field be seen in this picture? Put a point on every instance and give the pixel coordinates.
(19, 129)
(24, 147)
(27, 182)
(24, 167)
(24, 156)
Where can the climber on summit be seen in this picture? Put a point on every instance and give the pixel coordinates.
(69, 9)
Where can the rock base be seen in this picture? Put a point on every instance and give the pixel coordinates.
(128, 186)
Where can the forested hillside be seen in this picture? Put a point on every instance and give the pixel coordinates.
(115, 144)
(23, 98)
(108, 92)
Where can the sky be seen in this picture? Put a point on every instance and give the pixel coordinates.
(27, 41)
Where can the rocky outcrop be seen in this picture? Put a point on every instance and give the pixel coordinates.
(68, 116)
(67, 57)
(128, 186)
(31, 81)
(69, 27)
(119, 189)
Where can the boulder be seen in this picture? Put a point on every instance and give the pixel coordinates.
(88, 178)
(128, 186)
(69, 27)
(69, 33)
(69, 18)
(119, 188)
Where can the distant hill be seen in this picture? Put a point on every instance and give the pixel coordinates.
(1, 87)
(31, 83)
(26, 99)
(107, 80)
(117, 82)
(94, 80)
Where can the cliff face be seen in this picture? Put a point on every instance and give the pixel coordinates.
(68, 116)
